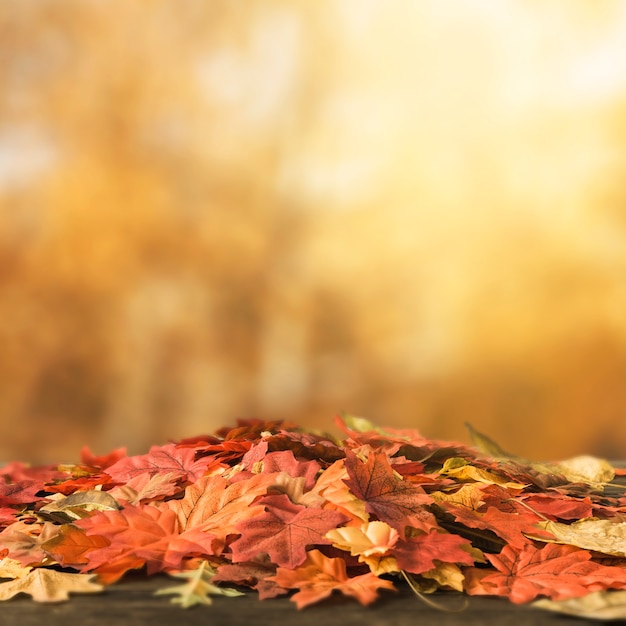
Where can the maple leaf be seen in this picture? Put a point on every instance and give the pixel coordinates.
(510, 521)
(71, 544)
(422, 552)
(371, 542)
(19, 492)
(555, 571)
(46, 585)
(560, 506)
(605, 536)
(254, 574)
(168, 459)
(213, 505)
(252, 429)
(386, 496)
(68, 508)
(284, 531)
(140, 535)
(285, 461)
(81, 483)
(101, 462)
(10, 568)
(24, 541)
(320, 575)
(144, 487)
(331, 488)
(307, 446)
(16, 471)
(7, 515)
(371, 538)
(198, 589)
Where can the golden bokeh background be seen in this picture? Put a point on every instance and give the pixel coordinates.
(411, 211)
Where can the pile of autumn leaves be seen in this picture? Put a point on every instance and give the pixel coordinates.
(272, 507)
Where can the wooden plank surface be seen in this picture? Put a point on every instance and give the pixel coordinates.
(132, 602)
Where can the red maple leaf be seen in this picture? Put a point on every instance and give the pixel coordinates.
(7, 515)
(556, 571)
(16, 471)
(20, 492)
(141, 534)
(320, 575)
(253, 574)
(560, 506)
(418, 554)
(284, 531)
(82, 483)
(168, 459)
(251, 429)
(286, 462)
(389, 498)
(307, 446)
(88, 458)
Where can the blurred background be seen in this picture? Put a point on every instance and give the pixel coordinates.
(412, 211)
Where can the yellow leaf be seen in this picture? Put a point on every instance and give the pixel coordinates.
(587, 469)
(198, 589)
(446, 575)
(10, 568)
(602, 536)
(464, 471)
(470, 495)
(47, 585)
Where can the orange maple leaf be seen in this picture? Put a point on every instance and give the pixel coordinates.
(140, 535)
(213, 505)
(320, 575)
(556, 571)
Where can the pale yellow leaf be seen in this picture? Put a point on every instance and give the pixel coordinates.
(603, 536)
(47, 585)
(78, 505)
(10, 568)
(461, 470)
(446, 575)
(198, 589)
(587, 469)
(469, 495)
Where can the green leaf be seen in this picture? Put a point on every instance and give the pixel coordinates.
(198, 589)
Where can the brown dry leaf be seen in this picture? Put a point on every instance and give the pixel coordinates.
(78, 505)
(599, 535)
(598, 605)
(47, 585)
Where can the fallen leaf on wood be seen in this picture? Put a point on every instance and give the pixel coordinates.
(47, 585)
(601, 535)
(198, 589)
